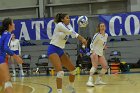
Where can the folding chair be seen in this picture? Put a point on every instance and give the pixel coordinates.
(86, 62)
(114, 61)
(42, 64)
(27, 61)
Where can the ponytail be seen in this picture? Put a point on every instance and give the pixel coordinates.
(58, 18)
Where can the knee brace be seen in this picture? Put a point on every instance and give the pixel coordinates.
(74, 72)
(60, 74)
(103, 71)
(7, 84)
(93, 69)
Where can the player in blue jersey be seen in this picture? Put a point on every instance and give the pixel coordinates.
(5, 37)
(55, 52)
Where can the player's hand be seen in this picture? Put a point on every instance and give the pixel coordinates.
(106, 47)
(84, 41)
(18, 59)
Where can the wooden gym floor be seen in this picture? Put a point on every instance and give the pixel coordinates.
(117, 83)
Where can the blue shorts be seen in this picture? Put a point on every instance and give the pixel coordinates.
(54, 49)
(2, 59)
(16, 52)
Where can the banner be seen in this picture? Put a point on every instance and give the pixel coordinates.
(122, 24)
(38, 29)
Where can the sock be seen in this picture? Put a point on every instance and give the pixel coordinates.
(13, 68)
(20, 66)
(90, 79)
(59, 90)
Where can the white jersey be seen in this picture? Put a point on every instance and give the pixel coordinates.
(15, 45)
(98, 43)
(61, 34)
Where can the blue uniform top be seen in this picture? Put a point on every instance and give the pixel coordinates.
(5, 40)
(85, 51)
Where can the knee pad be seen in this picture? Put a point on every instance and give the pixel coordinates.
(60, 74)
(103, 71)
(93, 69)
(7, 84)
(74, 72)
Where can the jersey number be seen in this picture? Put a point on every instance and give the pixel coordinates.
(66, 37)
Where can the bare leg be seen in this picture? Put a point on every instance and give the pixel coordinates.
(5, 78)
(68, 64)
(94, 60)
(56, 62)
(104, 65)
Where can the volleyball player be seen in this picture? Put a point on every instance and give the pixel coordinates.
(16, 48)
(97, 46)
(56, 54)
(5, 37)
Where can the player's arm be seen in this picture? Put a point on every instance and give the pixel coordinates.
(63, 28)
(6, 45)
(19, 47)
(82, 39)
(94, 40)
(105, 46)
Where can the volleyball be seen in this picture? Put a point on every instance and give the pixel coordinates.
(82, 21)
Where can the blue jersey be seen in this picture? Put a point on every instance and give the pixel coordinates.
(5, 40)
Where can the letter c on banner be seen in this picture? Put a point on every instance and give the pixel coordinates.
(128, 25)
(112, 27)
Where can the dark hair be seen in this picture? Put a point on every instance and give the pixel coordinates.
(98, 27)
(58, 18)
(5, 25)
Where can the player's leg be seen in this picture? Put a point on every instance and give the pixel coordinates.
(13, 66)
(5, 78)
(20, 66)
(67, 63)
(56, 62)
(104, 65)
(94, 60)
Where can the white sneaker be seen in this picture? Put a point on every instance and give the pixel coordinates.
(71, 89)
(100, 82)
(90, 84)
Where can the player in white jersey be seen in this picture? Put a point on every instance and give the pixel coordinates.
(56, 54)
(97, 46)
(16, 48)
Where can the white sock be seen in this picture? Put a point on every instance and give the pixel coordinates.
(59, 90)
(90, 79)
(13, 68)
(20, 66)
